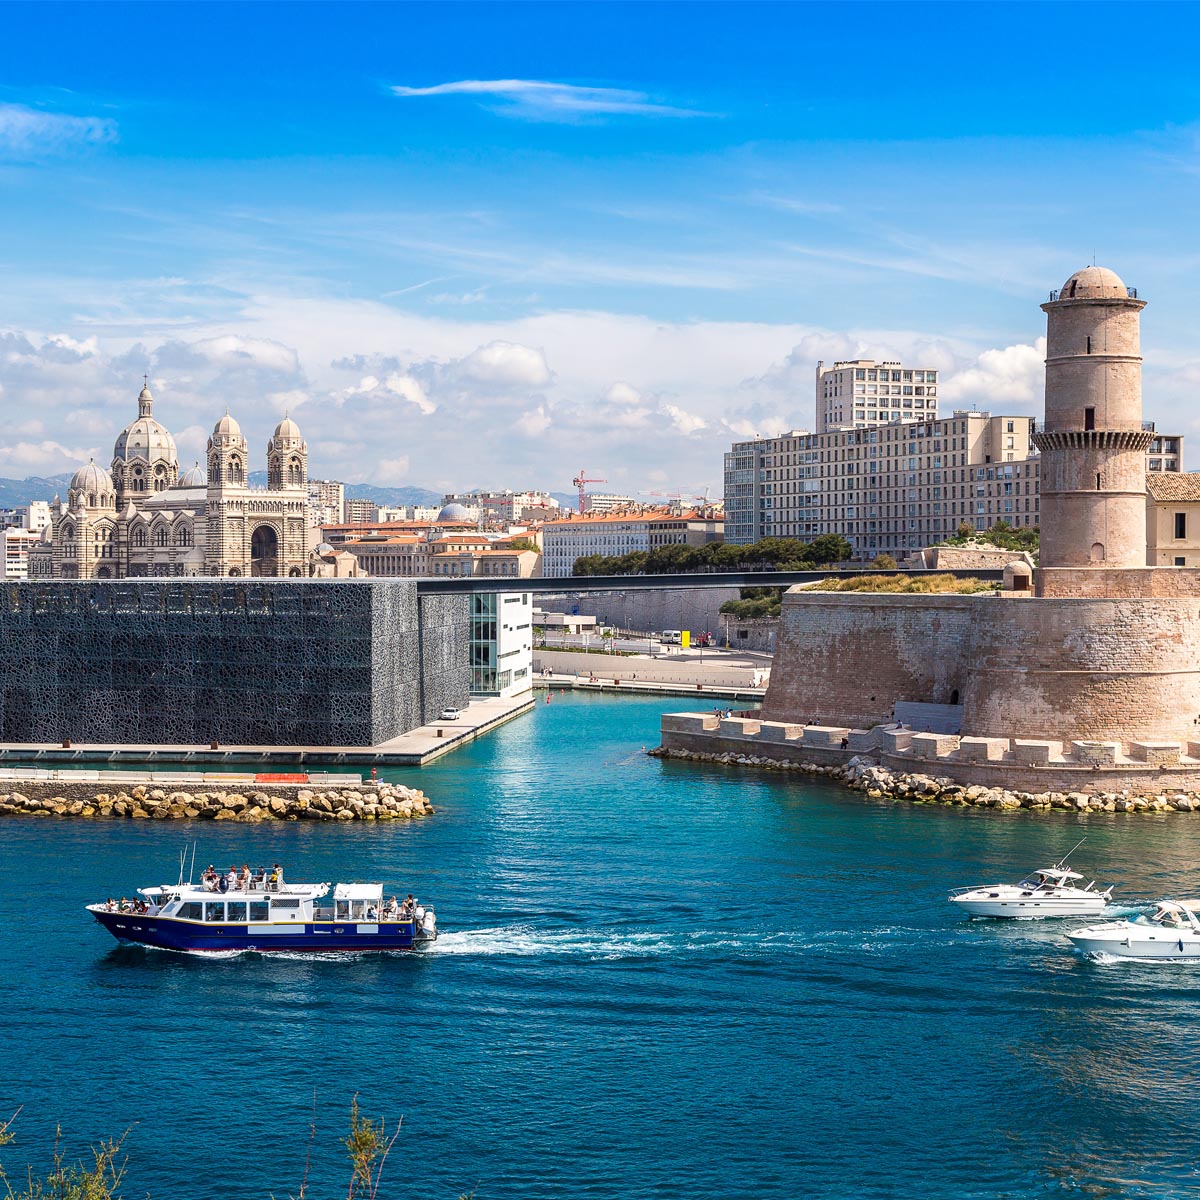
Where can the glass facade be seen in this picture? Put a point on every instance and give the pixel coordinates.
(483, 643)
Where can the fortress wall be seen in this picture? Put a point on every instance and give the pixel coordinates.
(1119, 669)
(845, 658)
(1127, 582)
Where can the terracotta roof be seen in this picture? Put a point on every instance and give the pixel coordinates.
(1173, 485)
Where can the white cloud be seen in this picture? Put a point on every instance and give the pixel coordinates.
(1012, 378)
(534, 423)
(541, 100)
(31, 133)
(685, 422)
(504, 364)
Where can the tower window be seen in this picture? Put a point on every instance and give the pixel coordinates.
(1089, 344)
(1180, 525)
(1089, 418)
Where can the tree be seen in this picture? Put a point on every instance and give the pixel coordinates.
(966, 529)
(884, 562)
(523, 543)
(827, 548)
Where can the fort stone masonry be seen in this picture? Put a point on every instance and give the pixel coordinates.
(1081, 673)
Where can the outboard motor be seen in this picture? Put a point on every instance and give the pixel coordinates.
(429, 924)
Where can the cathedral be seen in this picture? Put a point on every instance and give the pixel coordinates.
(142, 517)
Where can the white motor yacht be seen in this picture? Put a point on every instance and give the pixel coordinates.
(1051, 892)
(1171, 931)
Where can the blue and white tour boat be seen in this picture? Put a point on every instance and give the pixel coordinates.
(244, 911)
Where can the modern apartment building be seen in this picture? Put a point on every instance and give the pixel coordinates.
(358, 512)
(606, 502)
(862, 393)
(890, 488)
(17, 542)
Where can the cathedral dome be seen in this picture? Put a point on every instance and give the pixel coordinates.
(145, 438)
(287, 428)
(193, 477)
(1093, 283)
(454, 512)
(94, 480)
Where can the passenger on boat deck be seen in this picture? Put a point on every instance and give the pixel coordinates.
(372, 913)
(276, 880)
(123, 906)
(110, 904)
(244, 878)
(406, 909)
(232, 877)
(390, 908)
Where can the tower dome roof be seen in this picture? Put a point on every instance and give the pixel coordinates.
(92, 479)
(287, 428)
(227, 426)
(144, 437)
(454, 512)
(1093, 283)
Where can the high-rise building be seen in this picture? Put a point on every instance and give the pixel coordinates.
(326, 503)
(862, 393)
(358, 512)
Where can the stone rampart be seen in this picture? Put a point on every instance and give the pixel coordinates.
(845, 658)
(1131, 583)
(1084, 669)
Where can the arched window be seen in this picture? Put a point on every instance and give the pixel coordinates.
(183, 536)
(295, 474)
(235, 471)
(91, 500)
(160, 536)
(139, 538)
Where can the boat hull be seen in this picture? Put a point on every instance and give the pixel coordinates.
(1162, 945)
(318, 937)
(990, 904)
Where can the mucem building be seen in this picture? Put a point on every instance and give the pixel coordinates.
(236, 662)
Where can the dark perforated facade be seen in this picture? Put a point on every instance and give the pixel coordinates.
(318, 663)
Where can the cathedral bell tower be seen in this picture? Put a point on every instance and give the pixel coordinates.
(1093, 468)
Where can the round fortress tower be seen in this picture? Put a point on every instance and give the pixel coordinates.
(1093, 470)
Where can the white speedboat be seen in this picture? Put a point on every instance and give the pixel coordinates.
(1051, 892)
(1171, 931)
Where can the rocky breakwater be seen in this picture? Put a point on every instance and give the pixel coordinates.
(864, 774)
(381, 802)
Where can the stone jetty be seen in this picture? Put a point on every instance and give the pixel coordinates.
(864, 774)
(250, 805)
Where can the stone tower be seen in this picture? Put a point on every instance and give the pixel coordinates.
(1093, 470)
(287, 457)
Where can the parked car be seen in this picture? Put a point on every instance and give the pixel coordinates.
(450, 714)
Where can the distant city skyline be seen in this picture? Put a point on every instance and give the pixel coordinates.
(467, 245)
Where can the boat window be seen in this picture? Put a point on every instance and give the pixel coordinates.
(259, 910)
(214, 910)
(343, 910)
(237, 910)
(192, 911)
(356, 910)
(285, 903)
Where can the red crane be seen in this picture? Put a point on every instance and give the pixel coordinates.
(581, 481)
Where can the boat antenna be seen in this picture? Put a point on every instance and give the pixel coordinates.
(192, 868)
(1071, 851)
(182, 859)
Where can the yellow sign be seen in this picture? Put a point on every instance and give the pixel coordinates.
(686, 638)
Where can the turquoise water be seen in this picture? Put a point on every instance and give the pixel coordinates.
(654, 979)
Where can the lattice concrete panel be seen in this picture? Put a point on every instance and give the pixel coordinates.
(316, 663)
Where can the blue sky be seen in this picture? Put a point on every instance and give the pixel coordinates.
(470, 244)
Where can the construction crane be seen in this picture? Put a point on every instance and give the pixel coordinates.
(581, 481)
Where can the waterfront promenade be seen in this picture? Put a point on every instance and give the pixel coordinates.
(422, 745)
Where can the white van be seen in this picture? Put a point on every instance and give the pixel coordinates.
(671, 637)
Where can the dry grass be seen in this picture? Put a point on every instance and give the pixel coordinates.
(908, 584)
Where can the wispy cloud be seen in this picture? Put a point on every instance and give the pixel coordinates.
(31, 132)
(541, 100)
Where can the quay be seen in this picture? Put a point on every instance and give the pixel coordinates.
(424, 744)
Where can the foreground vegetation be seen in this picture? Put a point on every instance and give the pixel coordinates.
(367, 1146)
(902, 583)
(1001, 536)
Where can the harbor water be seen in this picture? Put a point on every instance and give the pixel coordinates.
(654, 979)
